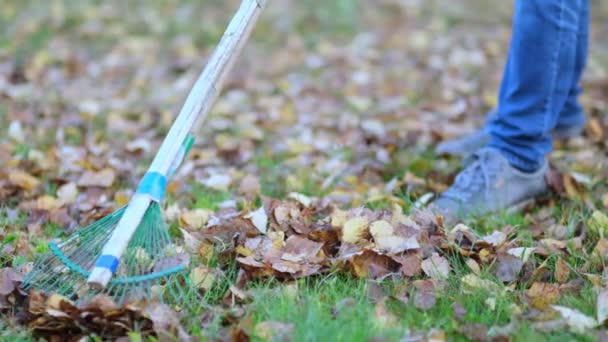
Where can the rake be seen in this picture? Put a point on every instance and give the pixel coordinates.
(128, 254)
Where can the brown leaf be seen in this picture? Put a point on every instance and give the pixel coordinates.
(507, 267)
(375, 292)
(436, 267)
(562, 271)
(373, 265)
(166, 322)
(103, 178)
(424, 295)
(23, 180)
(541, 295)
(9, 280)
(411, 265)
(299, 249)
(101, 302)
(203, 277)
(250, 186)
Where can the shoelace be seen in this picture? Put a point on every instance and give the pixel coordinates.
(479, 174)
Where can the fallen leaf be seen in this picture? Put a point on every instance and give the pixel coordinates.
(373, 265)
(47, 202)
(8, 281)
(375, 292)
(495, 239)
(542, 295)
(601, 249)
(195, 219)
(396, 244)
(523, 253)
(219, 182)
(411, 265)
(474, 266)
(424, 297)
(354, 229)
(576, 320)
(23, 180)
(471, 283)
(381, 228)
(103, 178)
(562, 271)
(166, 322)
(436, 267)
(259, 219)
(203, 277)
(300, 198)
(250, 186)
(338, 217)
(67, 193)
(507, 267)
(299, 249)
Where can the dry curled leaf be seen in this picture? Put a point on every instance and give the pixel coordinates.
(562, 271)
(576, 320)
(436, 267)
(541, 295)
(102, 178)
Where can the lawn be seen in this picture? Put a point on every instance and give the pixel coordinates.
(300, 204)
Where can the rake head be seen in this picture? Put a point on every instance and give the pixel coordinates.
(152, 268)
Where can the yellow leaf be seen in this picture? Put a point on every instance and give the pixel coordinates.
(354, 229)
(23, 180)
(203, 277)
(47, 202)
(338, 217)
(194, 219)
(381, 228)
(543, 294)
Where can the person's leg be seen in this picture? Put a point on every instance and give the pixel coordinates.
(572, 117)
(537, 80)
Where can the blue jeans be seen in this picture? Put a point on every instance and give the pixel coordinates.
(540, 82)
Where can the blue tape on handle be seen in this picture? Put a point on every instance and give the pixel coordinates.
(107, 261)
(153, 184)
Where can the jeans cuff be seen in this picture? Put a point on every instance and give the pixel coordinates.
(521, 164)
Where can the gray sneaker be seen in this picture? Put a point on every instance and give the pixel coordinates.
(489, 184)
(467, 145)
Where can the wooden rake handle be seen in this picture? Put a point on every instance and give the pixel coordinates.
(195, 109)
